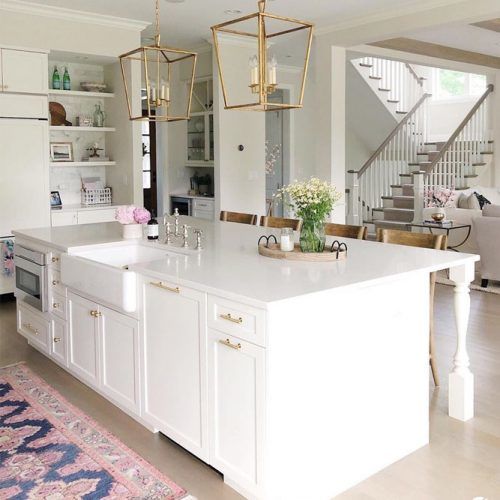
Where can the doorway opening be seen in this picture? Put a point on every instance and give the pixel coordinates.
(149, 177)
(277, 153)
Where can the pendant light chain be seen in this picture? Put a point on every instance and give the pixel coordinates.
(157, 27)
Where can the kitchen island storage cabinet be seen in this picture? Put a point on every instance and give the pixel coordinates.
(236, 403)
(103, 350)
(175, 381)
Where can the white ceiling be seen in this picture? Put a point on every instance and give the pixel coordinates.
(465, 37)
(187, 24)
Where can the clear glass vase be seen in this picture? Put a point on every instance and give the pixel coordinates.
(312, 236)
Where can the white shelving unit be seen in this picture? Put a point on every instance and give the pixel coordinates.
(83, 163)
(80, 93)
(63, 128)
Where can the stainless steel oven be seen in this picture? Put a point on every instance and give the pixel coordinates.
(31, 277)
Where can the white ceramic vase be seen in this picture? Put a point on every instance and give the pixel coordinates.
(132, 231)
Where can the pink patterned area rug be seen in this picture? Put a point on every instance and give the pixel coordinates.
(51, 450)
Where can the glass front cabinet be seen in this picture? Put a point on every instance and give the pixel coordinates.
(200, 129)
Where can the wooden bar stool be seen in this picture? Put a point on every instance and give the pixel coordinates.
(346, 231)
(432, 241)
(241, 218)
(280, 222)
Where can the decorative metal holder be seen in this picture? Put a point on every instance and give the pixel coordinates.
(267, 238)
(341, 247)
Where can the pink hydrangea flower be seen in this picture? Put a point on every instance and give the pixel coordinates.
(125, 215)
(142, 216)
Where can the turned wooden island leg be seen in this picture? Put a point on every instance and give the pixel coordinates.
(461, 379)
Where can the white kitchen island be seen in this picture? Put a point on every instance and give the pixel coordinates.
(295, 380)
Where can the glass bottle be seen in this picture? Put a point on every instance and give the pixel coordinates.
(56, 79)
(66, 80)
(152, 229)
(98, 116)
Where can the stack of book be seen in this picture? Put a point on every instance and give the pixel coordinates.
(443, 223)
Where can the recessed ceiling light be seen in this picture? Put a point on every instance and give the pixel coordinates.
(233, 11)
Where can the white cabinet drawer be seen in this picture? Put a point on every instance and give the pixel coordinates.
(23, 106)
(63, 218)
(95, 216)
(33, 326)
(234, 318)
(55, 284)
(58, 305)
(203, 204)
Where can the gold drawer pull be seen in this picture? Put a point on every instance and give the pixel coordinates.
(28, 326)
(165, 287)
(57, 339)
(55, 282)
(56, 305)
(228, 317)
(96, 314)
(55, 259)
(228, 343)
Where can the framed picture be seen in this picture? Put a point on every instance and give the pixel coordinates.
(61, 151)
(55, 199)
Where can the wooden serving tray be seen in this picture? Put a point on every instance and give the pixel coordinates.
(274, 252)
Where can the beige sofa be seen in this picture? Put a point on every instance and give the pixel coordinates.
(466, 216)
(487, 234)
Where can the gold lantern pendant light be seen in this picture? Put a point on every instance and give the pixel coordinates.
(263, 78)
(159, 65)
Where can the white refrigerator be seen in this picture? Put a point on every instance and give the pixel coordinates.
(24, 181)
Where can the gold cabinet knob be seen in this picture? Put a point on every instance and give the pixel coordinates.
(55, 259)
(55, 282)
(96, 314)
(57, 339)
(55, 305)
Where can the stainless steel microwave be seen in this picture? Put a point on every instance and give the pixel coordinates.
(31, 277)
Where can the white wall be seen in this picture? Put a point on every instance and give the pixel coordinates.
(52, 33)
(240, 182)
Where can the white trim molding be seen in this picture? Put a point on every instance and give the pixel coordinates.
(35, 9)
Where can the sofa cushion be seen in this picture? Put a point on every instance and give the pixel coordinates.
(491, 211)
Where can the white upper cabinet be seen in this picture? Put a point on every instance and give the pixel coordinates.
(24, 72)
(175, 364)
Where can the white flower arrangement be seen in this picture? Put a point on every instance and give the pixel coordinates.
(313, 199)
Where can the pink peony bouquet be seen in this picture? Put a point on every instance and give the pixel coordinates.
(132, 215)
(439, 197)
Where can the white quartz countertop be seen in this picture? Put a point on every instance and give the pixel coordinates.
(230, 262)
(79, 207)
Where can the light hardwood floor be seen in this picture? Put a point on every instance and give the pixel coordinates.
(462, 461)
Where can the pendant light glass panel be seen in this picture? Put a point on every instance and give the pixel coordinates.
(258, 53)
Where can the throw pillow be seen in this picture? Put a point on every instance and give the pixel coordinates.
(482, 200)
(468, 202)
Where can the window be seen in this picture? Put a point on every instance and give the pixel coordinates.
(449, 84)
(146, 156)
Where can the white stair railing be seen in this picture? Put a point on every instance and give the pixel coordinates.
(395, 156)
(456, 159)
(404, 85)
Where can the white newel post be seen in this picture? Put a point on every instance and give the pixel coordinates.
(353, 185)
(461, 379)
(418, 197)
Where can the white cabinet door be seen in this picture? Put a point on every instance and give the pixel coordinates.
(94, 216)
(83, 338)
(24, 175)
(175, 364)
(63, 218)
(236, 406)
(118, 337)
(59, 340)
(24, 72)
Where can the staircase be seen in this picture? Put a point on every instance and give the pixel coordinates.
(387, 192)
